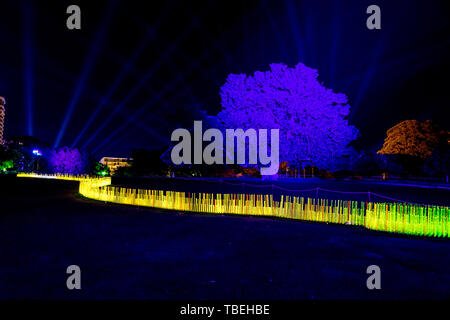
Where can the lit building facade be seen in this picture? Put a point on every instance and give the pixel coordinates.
(114, 163)
(2, 118)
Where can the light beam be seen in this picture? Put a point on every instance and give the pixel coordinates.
(86, 70)
(28, 64)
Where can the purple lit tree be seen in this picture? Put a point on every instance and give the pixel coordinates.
(67, 161)
(312, 119)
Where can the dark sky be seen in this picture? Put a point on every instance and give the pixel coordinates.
(139, 69)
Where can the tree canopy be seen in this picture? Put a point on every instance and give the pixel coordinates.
(312, 118)
(412, 138)
(68, 161)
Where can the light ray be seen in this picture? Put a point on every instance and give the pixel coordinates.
(292, 14)
(334, 42)
(142, 82)
(106, 98)
(128, 67)
(86, 70)
(166, 89)
(369, 72)
(276, 30)
(28, 64)
(143, 108)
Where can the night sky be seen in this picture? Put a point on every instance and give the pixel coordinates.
(139, 69)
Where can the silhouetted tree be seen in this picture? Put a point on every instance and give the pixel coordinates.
(438, 164)
(147, 162)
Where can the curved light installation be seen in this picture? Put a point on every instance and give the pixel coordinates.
(400, 218)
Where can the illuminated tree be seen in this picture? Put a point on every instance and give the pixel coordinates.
(101, 169)
(5, 165)
(312, 119)
(68, 161)
(412, 138)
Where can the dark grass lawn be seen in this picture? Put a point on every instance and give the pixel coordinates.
(127, 252)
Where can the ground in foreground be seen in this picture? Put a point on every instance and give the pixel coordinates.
(126, 252)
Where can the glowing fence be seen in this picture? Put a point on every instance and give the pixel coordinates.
(405, 218)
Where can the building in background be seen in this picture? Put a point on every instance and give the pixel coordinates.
(2, 118)
(114, 163)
